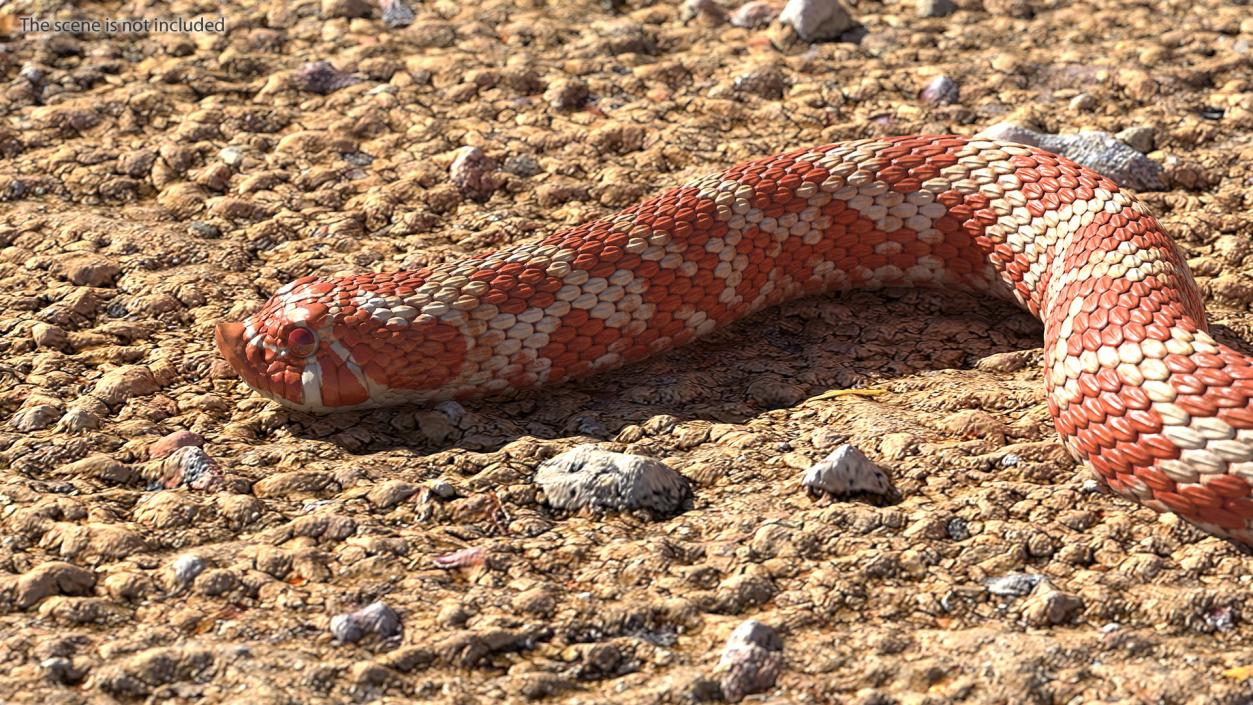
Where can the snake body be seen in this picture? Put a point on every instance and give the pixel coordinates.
(1137, 388)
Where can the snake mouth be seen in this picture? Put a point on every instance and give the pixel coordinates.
(232, 341)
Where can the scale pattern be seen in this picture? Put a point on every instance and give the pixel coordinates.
(1137, 388)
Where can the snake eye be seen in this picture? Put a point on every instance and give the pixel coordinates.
(302, 342)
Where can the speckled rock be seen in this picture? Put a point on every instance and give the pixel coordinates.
(845, 471)
(751, 661)
(587, 477)
(752, 15)
(375, 619)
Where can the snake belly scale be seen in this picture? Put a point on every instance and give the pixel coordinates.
(1137, 388)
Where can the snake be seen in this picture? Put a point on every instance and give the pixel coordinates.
(1138, 390)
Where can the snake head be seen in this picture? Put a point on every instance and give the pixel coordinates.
(334, 345)
(285, 350)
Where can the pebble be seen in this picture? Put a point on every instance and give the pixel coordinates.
(397, 14)
(816, 20)
(464, 558)
(753, 15)
(1142, 138)
(708, 10)
(522, 165)
(35, 418)
(764, 81)
(1047, 605)
(935, 8)
(1099, 151)
(587, 477)
(390, 493)
(231, 156)
(172, 442)
(191, 467)
(474, 173)
(199, 228)
(1084, 102)
(567, 94)
(61, 670)
(185, 568)
(87, 269)
(1013, 584)
(32, 74)
(942, 90)
(375, 619)
(846, 471)
(123, 383)
(76, 420)
(751, 661)
(346, 8)
(322, 77)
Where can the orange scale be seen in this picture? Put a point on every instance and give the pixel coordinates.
(1157, 480)
(1177, 503)
(1241, 506)
(1226, 486)
(1201, 496)
(1222, 518)
(1159, 446)
(1198, 405)
(1144, 421)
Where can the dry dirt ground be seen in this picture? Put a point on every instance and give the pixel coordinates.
(155, 184)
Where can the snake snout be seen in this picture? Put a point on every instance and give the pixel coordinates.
(230, 339)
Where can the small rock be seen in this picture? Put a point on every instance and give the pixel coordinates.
(390, 493)
(522, 165)
(172, 442)
(231, 156)
(442, 489)
(473, 172)
(136, 164)
(1084, 102)
(1142, 139)
(764, 81)
(208, 231)
(1099, 151)
(216, 581)
(935, 8)
(567, 94)
(942, 90)
(397, 14)
(816, 20)
(87, 269)
(464, 558)
(1048, 606)
(375, 619)
(751, 661)
(76, 420)
(708, 10)
(123, 383)
(346, 8)
(845, 471)
(754, 14)
(32, 74)
(1013, 584)
(61, 670)
(587, 477)
(322, 77)
(191, 467)
(35, 418)
(185, 568)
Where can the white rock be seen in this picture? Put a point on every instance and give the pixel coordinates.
(587, 477)
(845, 471)
(816, 20)
(751, 661)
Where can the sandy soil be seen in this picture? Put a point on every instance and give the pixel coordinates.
(155, 184)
